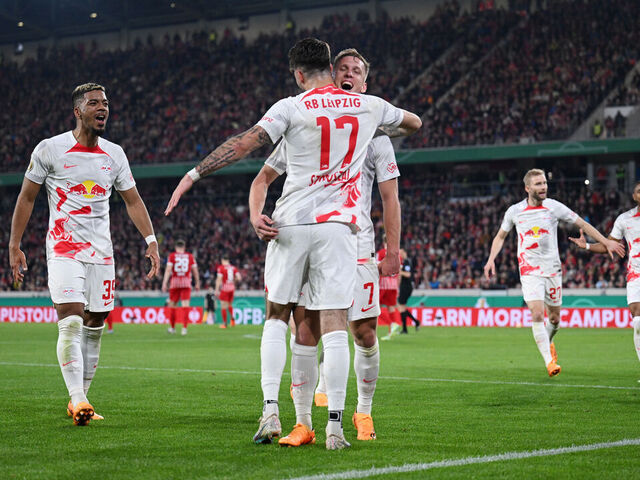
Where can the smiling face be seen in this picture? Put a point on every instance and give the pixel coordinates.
(350, 74)
(92, 112)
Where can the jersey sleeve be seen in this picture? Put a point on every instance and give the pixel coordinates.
(617, 231)
(384, 159)
(390, 115)
(276, 121)
(124, 178)
(192, 261)
(171, 260)
(564, 213)
(278, 159)
(508, 220)
(40, 164)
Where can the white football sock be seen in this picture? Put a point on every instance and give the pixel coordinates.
(70, 356)
(552, 329)
(322, 386)
(90, 346)
(366, 363)
(636, 334)
(336, 367)
(541, 337)
(304, 375)
(273, 355)
(292, 341)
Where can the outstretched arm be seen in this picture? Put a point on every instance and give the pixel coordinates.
(21, 216)
(140, 216)
(612, 246)
(262, 224)
(410, 125)
(496, 246)
(229, 152)
(391, 218)
(581, 242)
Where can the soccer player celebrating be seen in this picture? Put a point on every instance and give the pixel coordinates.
(350, 71)
(180, 267)
(226, 278)
(327, 131)
(627, 227)
(536, 221)
(79, 169)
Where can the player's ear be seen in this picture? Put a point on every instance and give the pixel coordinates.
(364, 87)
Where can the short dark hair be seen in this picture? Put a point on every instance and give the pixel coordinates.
(80, 90)
(225, 257)
(310, 55)
(180, 243)
(352, 52)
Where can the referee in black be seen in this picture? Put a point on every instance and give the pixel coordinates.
(406, 288)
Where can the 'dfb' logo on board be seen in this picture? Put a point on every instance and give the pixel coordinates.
(536, 232)
(88, 189)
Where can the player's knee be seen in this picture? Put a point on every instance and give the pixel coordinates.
(95, 319)
(537, 316)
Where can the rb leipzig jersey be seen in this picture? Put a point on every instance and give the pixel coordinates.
(380, 164)
(627, 226)
(228, 273)
(537, 229)
(78, 181)
(327, 131)
(180, 264)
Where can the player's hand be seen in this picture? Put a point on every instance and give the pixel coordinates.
(489, 270)
(262, 225)
(18, 263)
(197, 286)
(389, 266)
(164, 288)
(580, 241)
(614, 248)
(183, 187)
(152, 254)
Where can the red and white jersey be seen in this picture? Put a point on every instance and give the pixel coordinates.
(627, 226)
(327, 131)
(537, 229)
(180, 265)
(228, 273)
(386, 283)
(78, 181)
(379, 164)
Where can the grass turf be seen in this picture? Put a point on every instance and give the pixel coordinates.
(187, 407)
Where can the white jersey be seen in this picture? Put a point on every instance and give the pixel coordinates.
(537, 229)
(78, 182)
(627, 226)
(327, 131)
(380, 163)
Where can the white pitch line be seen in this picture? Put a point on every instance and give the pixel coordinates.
(420, 467)
(411, 379)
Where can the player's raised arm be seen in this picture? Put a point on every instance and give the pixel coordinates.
(411, 123)
(612, 246)
(229, 152)
(496, 246)
(261, 223)
(391, 218)
(581, 242)
(140, 216)
(21, 216)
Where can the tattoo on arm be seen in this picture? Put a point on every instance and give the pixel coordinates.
(391, 132)
(234, 149)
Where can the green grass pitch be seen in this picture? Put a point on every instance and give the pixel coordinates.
(187, 407)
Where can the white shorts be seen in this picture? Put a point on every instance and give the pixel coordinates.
(71, 281)
(366, 296)
(633, 292)
(322, 254)
(547, 289)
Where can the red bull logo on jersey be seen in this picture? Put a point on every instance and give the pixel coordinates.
(88, 189)
(536, 232)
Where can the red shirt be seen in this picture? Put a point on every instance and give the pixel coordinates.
(228, 273)
(386, 283)
(180, 265)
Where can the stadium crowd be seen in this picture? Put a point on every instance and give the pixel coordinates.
(542, 80)
(448, 225)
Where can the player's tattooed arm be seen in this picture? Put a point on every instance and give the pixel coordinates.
(392, 132)
(234, 149)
